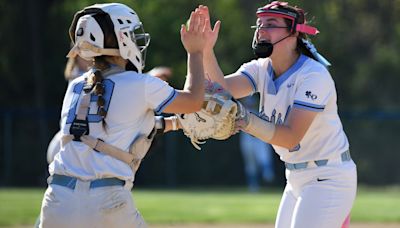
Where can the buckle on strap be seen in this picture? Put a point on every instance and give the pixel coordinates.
(79, 128)
(70, 182)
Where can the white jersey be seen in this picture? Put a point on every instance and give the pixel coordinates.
(130, 101)
(305, 85)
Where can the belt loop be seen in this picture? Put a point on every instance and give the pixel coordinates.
(128, 185)
(321, 162)
(346, 156)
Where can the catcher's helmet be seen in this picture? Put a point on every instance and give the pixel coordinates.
(87, 33)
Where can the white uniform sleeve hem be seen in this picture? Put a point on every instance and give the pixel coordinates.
(166, 102)
(308, 106)
(252, 82)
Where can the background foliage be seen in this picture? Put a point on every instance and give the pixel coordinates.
(360, 37)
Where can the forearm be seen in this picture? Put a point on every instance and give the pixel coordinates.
(212, 68)
(285, 136)
(195, 77)
(279, 135)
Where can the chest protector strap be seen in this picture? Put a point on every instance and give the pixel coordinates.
(80, 125)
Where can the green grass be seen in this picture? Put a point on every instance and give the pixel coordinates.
(377, 205)
(22, 206)
(216, 206)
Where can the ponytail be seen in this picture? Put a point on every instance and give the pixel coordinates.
(95, 84)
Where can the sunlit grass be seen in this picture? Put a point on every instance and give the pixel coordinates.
(22, 206)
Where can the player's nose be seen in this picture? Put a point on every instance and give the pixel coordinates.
(262, 34)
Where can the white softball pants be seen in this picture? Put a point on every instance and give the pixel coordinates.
(318, 197)
(110, 206)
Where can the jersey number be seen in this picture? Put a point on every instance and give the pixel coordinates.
(94, 118)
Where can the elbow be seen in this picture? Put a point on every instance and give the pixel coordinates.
(291, 146)
(197, 105)
(194, 106)
(292, 143)
(197, 102)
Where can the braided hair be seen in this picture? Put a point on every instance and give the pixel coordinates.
(95, 80)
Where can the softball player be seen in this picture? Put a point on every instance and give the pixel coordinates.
(298, 116)
(114, 103)
(76, 67)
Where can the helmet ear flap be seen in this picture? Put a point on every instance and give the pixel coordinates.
(78, 15)
(72, 27)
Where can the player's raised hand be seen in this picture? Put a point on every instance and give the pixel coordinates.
(193, 33)
(211, 33)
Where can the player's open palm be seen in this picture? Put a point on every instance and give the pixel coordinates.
(210, 33)
(193, 34)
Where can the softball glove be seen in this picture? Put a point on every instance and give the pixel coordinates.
(215, 120)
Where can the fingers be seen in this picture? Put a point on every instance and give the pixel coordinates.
(217, 26)
(192, 21)
(204, 12)
(202, 24)
(197, 21)
(183, 30)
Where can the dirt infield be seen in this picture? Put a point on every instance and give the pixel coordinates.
(353, 225)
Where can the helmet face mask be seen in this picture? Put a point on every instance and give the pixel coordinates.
(280, 10)
(123, 22)
(141, 39)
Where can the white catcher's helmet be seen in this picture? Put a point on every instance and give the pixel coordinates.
(87, 33)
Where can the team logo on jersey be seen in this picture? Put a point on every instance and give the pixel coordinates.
(289, 85)
(278, 119)
(309, 94)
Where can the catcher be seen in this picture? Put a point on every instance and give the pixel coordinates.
(111, 109)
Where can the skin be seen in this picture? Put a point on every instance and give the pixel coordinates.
(82, 63)
(190, 99)
(193, 38)
(161, 72)
(283, 57)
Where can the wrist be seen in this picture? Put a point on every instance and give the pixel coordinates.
(159, 124)
(260, 128)
(242, 116)
(196, 54)
(208, 52)
(173, 123)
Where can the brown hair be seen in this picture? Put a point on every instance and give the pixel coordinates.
(68, 69)
(95, 80)
(300, 48)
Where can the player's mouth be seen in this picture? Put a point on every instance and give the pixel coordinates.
(264, 40)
